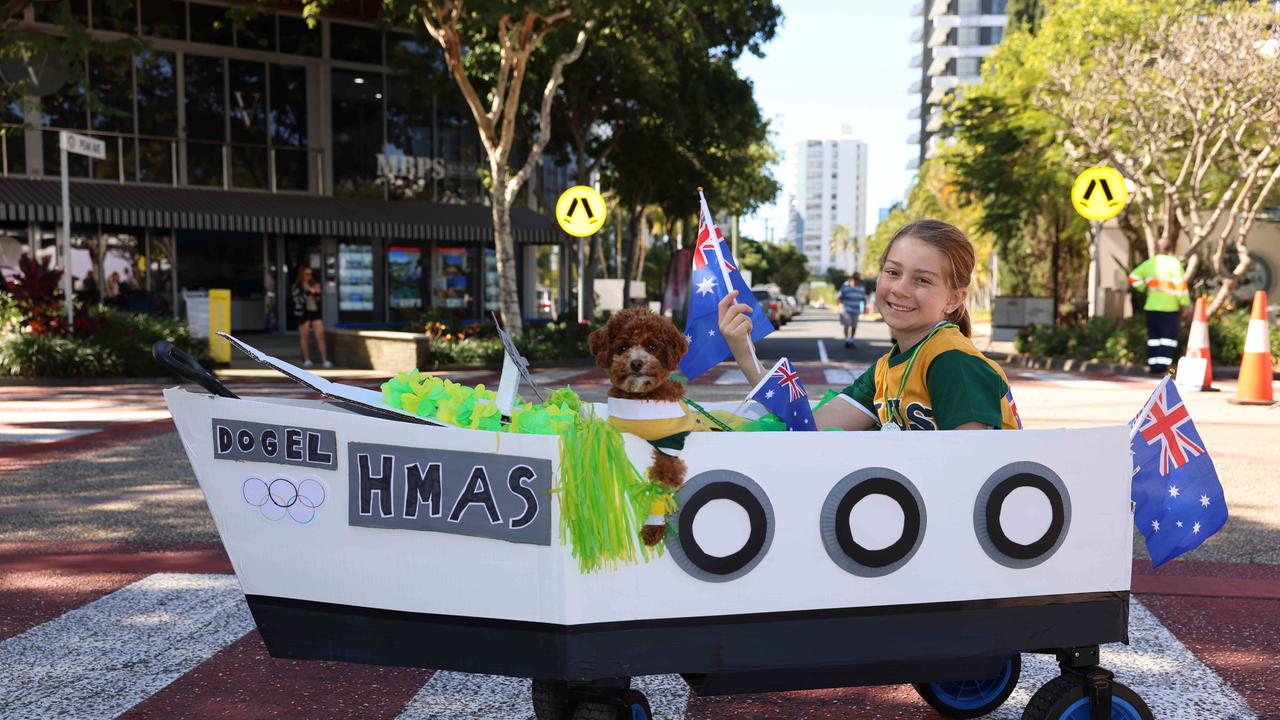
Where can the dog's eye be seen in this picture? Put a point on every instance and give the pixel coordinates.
(621, 349)
(651, 347)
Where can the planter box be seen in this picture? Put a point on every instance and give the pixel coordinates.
(388, 351)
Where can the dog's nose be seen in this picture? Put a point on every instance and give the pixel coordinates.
(637, 365)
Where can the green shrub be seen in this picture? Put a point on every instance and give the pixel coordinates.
(130, 337)
(42, 355)
(1126, 341)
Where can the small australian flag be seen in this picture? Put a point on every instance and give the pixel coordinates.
(783, 394)
(714, 276)
(1178, 501)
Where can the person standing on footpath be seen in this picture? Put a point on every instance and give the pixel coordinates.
(1162, 279)
(853, 298)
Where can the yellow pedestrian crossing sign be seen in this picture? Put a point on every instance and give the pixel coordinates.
(1099, 193)
(580, 211)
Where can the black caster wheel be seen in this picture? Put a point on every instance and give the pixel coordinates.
(552, 700)
(1066, 698)
(635, 706)
(972, 698)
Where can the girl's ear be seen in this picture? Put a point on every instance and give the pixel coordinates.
(599, 344)
(957, 299)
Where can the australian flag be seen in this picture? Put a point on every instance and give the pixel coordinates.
(714, 275)
(1178, 499)
(783, 394)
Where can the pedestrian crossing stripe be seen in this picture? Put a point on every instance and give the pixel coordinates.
(105, 657)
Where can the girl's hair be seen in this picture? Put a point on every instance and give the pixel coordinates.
(297, 276)
(956, 248)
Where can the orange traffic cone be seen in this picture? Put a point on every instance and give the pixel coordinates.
(1255, 367)
(1198, 345)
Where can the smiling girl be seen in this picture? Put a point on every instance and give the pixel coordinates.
(933, 378)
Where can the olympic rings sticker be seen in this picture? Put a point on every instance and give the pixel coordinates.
(278, 497)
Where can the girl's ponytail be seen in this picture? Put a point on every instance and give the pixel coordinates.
(960, 316)
(953, 244)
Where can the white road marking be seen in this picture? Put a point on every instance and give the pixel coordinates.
(41, 435)
(551, 377)
(462, 696)
(839, 376)
(1164, 673)
(822, 351)
(731, 377)
(105, 657)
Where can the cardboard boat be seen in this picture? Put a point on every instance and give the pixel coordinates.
(795, 560)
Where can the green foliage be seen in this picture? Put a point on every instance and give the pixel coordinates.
(776, 263)
(479, 344)
(44, 355)
(130, 337)
(1126, 341)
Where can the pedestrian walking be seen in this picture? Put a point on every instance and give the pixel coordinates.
(853, 298)
(1162, 279)
(304, 298)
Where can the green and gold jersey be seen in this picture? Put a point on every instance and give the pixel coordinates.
(950, 384)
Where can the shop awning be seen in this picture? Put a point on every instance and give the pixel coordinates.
(199, 209)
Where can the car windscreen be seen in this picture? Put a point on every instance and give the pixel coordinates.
(761, 294)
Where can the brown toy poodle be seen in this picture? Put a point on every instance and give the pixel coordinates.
(641, 350)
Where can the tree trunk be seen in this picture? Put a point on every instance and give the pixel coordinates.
(505, 250)
(628, 266)
(1055, 264)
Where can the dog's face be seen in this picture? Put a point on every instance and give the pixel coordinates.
(638, 348)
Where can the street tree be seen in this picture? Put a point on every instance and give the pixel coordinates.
(1184, 103)
(843, 241)
(490, 47)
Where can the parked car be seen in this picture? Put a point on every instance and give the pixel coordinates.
(772, 304)
(796, 307)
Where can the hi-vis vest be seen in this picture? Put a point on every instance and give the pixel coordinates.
(1161, 278)
(915, 407)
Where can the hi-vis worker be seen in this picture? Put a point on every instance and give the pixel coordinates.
(1161, 278)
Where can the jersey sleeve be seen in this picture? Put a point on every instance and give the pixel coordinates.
(863, 391)
(964, 388)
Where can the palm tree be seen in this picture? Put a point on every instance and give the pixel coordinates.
(843, 241)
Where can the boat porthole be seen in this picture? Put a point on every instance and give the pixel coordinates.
(845, 538)
(692, 553)
(1031, 532)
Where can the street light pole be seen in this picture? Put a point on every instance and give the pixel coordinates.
(65, 250)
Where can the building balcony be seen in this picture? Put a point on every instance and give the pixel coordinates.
(939, 8)
(916, 35)
(944, 24)
(913, 138)
(944, 55)
(916, 61)
(917, 10)
(940, 86)
(913, 163)
(935, 122)
(914, 113)
(915, 88)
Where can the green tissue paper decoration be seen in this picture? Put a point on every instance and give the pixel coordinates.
(603, 498)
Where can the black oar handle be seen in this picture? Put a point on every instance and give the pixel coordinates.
(187, 368)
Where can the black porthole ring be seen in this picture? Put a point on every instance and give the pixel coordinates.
(837, 536)
(741, 497)
(990, 502)
(691, 498)
(883, 557)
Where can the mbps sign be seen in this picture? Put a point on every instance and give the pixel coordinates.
(479, 494)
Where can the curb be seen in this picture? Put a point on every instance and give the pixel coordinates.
(1097, 367)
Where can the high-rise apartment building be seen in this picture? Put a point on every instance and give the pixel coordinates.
(954, 36)
(831, 190)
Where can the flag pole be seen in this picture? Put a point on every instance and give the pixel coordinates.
(759, 383)
(724, 269)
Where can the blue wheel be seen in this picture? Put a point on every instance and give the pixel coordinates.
(972, 698)
(635, 706)
(1065, 698)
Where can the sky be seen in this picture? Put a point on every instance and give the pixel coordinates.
(834, 63)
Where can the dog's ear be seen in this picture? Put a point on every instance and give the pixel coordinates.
(672, 343)
(599, 344)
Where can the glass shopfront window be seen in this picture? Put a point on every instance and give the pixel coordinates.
(248, 106)
(115, 15)
(257, 32)
(218, 259)
(459, 148)
(210, 24)
(289, 125)
(298, 39)
(163, 18)
(14, 159)
(64, 109)
(453, 281)
(206, 117)
(355, 282)
(112, 80)
(357, 132)
(355, 43)
(157, 114)
(405, 286)
(492, 291)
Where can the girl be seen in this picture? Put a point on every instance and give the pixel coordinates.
(304, 298)
(933, 378)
